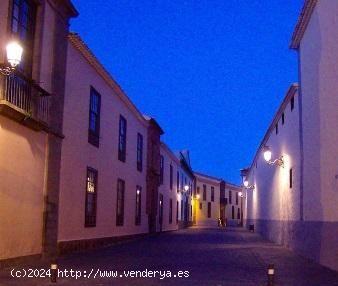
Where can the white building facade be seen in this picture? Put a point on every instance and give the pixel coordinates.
(104, 155)
(297, 205)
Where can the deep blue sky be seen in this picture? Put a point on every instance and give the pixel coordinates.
(211, 72)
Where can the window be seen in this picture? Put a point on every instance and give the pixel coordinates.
(178, 181)
(120, 202)
(161, 169)
(204, 192)
(198, 190)
(212, 194)
(177, 212)
(292, 102)
(181, 209)
(138, 206)
(238, 214)
(94, 117)
(276, 128)
(233, 212)
(230, 197)
(171, 211)
(171, 177)
(236, 198)
(23, 27)
(91, 198)
(283, 118)
(182, 181)
(160, 217)
(139, 152)
(122, 138)
(290, 178)
(200, 206)
(209, 210)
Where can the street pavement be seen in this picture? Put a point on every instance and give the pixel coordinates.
(215, 257)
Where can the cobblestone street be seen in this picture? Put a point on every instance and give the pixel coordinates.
(211, 257)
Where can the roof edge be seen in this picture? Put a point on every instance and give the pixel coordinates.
(290, 92)
(302, 23)
(82, 47)
(171, 153)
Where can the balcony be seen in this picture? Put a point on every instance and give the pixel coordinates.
(24, 101)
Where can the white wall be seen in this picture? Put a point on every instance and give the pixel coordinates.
(318, 54)
(272, 199)
(318, 73)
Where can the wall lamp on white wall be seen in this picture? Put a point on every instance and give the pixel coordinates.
(241, 195)
(14, 54)
(247, 185)
(245, 181)
(267, 153)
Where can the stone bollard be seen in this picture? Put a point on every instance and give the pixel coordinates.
(53, 272)
(271, 274)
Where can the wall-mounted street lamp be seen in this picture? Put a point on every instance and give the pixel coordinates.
(268, 155)
(198, 197)
(241, 194)
(247, 185)
(245, 182)
(14, 54)
(186, 188)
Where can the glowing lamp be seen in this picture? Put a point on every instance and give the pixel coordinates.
(14, 53)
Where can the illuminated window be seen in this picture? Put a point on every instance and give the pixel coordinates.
(91, 198)
(138, 205)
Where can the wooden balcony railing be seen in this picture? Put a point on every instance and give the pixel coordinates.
(23, 100)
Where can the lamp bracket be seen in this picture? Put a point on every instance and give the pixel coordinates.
(6, 71)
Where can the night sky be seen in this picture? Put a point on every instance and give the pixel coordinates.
(212, 72)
